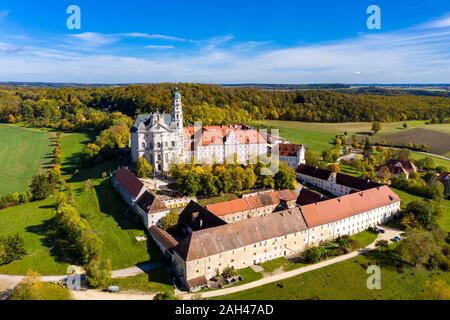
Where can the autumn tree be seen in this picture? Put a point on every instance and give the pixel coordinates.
(143, 168)
(376, 127)
(170, 221)
(417, 247)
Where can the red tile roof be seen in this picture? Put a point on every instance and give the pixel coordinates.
(349, 205)
(288, 149)
(251, 202)
(218, 135)
(164, 238)
(129, 181)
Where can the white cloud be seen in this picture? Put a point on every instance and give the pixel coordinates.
(442, 22)
(420, 54)
(159, 47)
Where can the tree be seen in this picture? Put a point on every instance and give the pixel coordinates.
(170, 221)
(334, 167)
(229, 272)
(285, 178)
(382, 244)
(29, 288)
(423, 212)
(164, 296)
(417, 247)
(311, 158)
(376, 127)
(11, 119)
(437, 289)
(98, 272)
(11, 248)
(143, 168)
(88, 246)
(405, 125)
(40, 187)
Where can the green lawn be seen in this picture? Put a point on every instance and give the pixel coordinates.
(346, 280)
(101, 206)
(21, 154)
(153, 282)
(272, 265)
(31, 221)
(365, 238)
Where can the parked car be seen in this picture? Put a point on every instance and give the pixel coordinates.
(113, 289)
(398, 238)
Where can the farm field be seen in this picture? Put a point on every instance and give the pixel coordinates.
(99, 205)
(21, 154)
(437, 141)
(318, 136)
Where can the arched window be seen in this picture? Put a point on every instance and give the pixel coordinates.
(173, 143)
(143, 145)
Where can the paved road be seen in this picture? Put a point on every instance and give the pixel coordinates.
(10, 281)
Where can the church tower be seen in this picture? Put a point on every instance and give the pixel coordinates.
(177, 112)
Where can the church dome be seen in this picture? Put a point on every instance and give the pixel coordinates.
(176, 94)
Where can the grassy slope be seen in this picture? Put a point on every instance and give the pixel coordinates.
(21, 153)
(31, 221)
(156, 281)
(345, 280)
(101, 206)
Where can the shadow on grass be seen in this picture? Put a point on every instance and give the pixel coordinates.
(45, 230)
(387, 258)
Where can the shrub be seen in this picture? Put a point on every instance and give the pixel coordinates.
(11, 248)
(229, 272)
(98, 272)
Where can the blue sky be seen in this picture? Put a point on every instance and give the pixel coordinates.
(215, 41)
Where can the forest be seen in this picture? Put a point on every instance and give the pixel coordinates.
(81, 108)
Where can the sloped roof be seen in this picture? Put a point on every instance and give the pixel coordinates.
(251, 202)
(150, 203)
(289, 149)
(164, 238)
(307, 196)
(349, 205)
(207, 242)
(129, 181)
(197, 217)
(147, 120)
(355, 183)
(218, 135)
(315, 172)
(406, 164)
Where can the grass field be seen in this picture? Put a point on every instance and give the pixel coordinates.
(31, 221)
(100, 206)
(156, 281)
(21, 154)
(346, 280)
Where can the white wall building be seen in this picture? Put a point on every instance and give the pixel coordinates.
(162, 140)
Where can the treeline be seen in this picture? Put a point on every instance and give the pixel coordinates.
(70, 108)
(74, 239)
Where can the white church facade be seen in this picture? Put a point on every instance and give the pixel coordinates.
(162, 140)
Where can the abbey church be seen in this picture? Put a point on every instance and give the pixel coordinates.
(162, 140)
